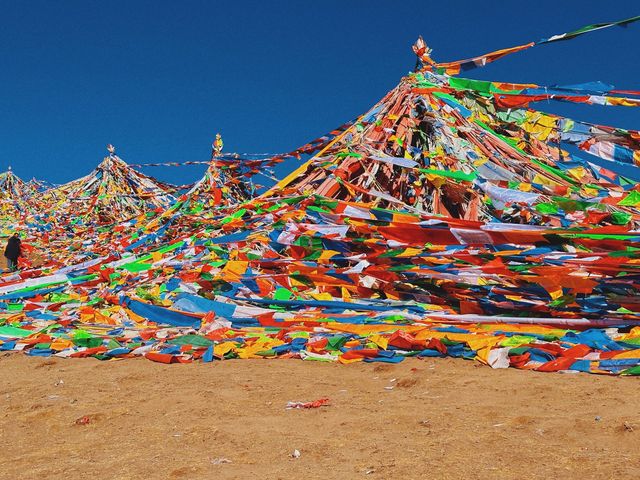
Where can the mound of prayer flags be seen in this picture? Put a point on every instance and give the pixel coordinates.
(451, 219)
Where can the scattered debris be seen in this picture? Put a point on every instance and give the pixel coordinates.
(322, 402)
(84, 420)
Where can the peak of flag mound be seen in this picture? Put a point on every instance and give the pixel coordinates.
(16, 201)
(223, 183)
(474, 150)
(112, 192)
(452, 219)
(13, 187)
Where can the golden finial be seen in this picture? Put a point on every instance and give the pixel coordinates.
(217, 146)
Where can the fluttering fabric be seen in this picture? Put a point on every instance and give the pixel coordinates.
(451, 219)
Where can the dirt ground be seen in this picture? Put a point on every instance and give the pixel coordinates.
(436, 418)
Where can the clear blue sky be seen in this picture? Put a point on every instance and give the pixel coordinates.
(159, 78)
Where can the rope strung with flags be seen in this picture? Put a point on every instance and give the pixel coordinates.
(453, 68)
(261, 160)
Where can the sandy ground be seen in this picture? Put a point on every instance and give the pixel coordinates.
(442, 419)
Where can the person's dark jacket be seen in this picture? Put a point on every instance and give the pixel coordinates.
(12, 252)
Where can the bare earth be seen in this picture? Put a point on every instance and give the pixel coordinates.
(442, 419)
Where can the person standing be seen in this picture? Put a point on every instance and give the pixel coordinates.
(13, 251)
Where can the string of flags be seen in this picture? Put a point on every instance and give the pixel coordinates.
(450, 219)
